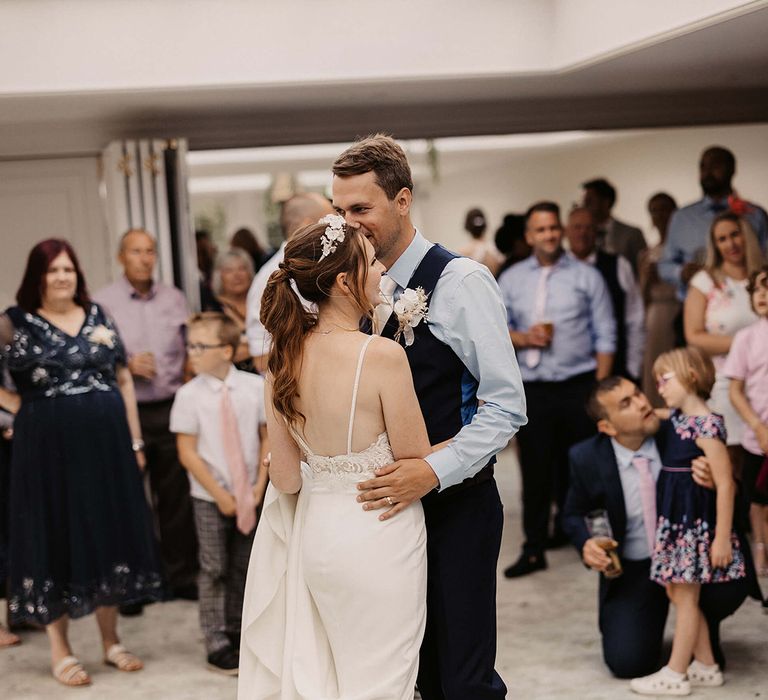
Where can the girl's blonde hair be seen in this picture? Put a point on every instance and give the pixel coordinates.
(753, 255)
(692, 367)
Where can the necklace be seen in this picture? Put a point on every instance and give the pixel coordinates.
(329, 331)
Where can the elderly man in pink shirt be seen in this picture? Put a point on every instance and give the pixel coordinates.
(151, 318)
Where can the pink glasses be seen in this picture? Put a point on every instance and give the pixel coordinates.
(664, 379)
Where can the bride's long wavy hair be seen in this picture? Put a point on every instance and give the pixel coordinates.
(284, 315)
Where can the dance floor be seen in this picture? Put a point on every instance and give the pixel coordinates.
(548, 640)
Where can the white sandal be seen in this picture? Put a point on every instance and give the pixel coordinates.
(67, 670)
(705, 676)
(660, 683)
(122, 659)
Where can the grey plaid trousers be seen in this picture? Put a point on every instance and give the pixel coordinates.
(224, 553)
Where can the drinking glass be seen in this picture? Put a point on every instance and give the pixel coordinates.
(600, 529)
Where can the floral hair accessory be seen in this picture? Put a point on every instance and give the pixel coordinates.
(333, 235)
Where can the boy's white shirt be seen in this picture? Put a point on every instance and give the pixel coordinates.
(196, 411)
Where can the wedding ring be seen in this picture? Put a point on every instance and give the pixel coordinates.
(390, 501)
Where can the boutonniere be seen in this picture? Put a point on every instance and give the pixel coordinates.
(411, 309)
(101, 335)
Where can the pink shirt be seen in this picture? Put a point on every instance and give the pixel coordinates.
(748, 361)
(151, 323)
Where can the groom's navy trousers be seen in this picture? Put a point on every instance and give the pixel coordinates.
(459, 648)
(464, 525)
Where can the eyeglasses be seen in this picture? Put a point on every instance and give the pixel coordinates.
(202, 347)
(664, 379)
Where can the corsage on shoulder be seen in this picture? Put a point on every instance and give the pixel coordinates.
(101, 335)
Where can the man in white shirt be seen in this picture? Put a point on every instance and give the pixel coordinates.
(298, 211)
(625, 293)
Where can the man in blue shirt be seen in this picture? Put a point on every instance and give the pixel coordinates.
(561, 323)
(689, 227)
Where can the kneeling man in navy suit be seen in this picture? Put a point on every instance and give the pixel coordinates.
(633, 609)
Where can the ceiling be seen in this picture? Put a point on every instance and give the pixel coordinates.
(715, 74)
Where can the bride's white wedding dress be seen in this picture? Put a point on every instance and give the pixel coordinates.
(335, 598)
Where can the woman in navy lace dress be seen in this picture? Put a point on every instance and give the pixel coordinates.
(81, 538)
(695, 541)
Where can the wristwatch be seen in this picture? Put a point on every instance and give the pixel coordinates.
(137, 445)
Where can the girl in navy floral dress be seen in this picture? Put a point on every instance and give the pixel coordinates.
(81, 537)
(695, 542)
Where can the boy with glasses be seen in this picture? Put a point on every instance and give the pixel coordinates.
(220, 427)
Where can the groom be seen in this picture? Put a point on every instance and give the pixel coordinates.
(469, 388)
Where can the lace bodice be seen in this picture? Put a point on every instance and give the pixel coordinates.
(345, 471)
(46, 362)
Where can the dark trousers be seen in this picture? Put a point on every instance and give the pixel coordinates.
(170, 495)
(224, 556)
(557, 419)
(633, 612)
(459, 648)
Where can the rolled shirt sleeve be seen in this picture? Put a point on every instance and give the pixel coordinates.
(469, 316)
(672, 255)
(184, 418)
(602, 320)
(634, 316)
(736, 363)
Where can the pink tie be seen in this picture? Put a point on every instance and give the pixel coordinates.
(648, 498)
(533, 355)
(383, 311)
(233, 449)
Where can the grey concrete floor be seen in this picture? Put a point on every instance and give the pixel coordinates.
(548, 640)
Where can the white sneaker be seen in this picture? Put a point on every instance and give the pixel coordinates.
(705, 676)
(660, 683)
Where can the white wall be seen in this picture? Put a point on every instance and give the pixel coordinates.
(52, 199)
(521, 170)
(638, 163)
(44, 198)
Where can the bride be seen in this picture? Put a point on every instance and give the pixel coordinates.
(335, 599)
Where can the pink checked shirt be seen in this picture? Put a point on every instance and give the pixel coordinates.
(748, 361)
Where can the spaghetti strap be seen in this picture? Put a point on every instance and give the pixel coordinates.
(354, 392)
(300, 440)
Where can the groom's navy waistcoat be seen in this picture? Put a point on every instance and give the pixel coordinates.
(446, 390)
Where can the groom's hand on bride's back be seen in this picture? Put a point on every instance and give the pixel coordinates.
(397, 485)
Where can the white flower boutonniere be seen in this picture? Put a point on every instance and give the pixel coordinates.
(411, 309)
(101, 335)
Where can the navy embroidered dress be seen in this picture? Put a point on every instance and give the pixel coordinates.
(687, 511)
(80, 530)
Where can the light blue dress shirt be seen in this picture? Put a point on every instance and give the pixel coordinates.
(687, 237)
(577, 303)
(467, 314)
(635, 539)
